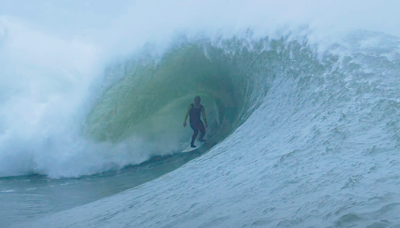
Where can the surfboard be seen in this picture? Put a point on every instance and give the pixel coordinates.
(188, 148)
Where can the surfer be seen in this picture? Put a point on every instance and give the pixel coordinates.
(194, 111)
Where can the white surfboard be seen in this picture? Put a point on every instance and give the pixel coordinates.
(189, 148)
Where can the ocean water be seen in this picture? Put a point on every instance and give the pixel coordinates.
(301, 97)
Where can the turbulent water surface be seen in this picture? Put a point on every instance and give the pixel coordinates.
(303, 124)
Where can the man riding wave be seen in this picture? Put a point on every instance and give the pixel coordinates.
(195, 110)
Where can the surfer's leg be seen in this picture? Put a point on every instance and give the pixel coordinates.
(202, 132)
(195, 133)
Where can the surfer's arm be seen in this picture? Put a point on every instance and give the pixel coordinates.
(203, 112)
(187, 114)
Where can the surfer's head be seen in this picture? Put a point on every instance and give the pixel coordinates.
(197, 100)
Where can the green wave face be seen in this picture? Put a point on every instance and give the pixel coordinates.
(151, 100)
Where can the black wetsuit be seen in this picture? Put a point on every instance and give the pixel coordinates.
(196, 123)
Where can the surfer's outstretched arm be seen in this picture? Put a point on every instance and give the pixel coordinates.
(203, 113)
(187, 115)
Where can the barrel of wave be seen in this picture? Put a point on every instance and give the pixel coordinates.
(150, 101)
